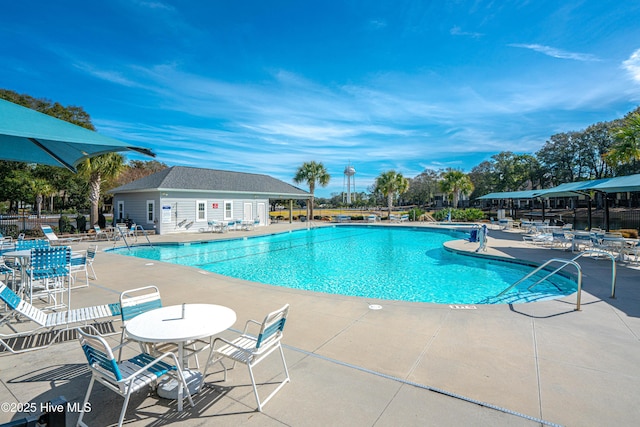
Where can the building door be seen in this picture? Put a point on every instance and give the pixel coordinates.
(248, 212)
(262, 214)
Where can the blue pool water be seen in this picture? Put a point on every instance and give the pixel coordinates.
(392, 263)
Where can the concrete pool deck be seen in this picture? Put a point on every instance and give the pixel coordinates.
(405, 364)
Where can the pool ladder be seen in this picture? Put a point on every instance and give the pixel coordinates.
(564, 263)
(124, 231)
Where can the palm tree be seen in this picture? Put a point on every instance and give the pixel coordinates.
(312, 173)
(95, 169)
(40, 188)
(390, 184)
(627, 146)
(454, 183)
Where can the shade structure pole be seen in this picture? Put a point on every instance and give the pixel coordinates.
(290, 211)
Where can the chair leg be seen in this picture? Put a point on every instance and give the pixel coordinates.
(84, 404)
(255, 388)
(124, 407)
(95, 276)
(280, 385)
(121, 342)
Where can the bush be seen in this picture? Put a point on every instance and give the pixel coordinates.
(81, 221)
(415, 214)
(102, 221)
(11, 230)
(64, 225)
(471, 214)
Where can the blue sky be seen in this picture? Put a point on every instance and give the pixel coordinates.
(263, 86)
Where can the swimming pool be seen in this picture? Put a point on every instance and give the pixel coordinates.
(391, 263)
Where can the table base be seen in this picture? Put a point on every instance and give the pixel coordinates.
(168, 388)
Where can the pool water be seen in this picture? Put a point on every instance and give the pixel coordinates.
(391, 263)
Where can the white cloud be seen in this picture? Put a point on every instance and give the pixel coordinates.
(632, 65)
(457, 31)
(556, 53)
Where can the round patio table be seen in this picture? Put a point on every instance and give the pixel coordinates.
(180, 324)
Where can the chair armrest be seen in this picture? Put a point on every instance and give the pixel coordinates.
(250, 322)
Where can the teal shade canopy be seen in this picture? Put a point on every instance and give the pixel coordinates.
(30, 136)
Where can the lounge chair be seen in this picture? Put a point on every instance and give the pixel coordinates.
(100, 233)
(544, 239)
(128, 376)
(560, 240)
(394, 218)
(343, 218)
(54, 239)
(372, 218)
(49, 321)
(252, 349)
(404, 218)
(582, 239)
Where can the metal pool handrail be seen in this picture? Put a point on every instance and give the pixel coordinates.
(613, 266)
(564, 263)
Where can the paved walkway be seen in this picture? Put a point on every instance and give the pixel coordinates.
(407, 364)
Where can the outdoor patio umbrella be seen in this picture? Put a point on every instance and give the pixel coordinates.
(30, 136)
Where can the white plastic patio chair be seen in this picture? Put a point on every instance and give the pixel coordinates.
(92, 250)
(251, 350)
(79, 265)
(134, 302)
(128, 376)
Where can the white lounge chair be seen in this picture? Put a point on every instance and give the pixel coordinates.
(54, 239)
(128, 376)
(252, 349)
(49, 321)
(100, 233)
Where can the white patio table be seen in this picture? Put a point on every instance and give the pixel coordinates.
(180, 324)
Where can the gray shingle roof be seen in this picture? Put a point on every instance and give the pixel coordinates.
(190, 179)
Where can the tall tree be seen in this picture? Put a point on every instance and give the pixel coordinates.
(391, 184)
(95, 169)
(455, 183)
(41, 189)
(312, 173)
(423, 188)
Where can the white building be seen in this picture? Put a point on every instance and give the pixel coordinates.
(185, 199)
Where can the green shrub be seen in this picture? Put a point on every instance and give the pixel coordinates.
(64, 225)
(471, 214)
(415, 214)
(81, 221)
(11, 230)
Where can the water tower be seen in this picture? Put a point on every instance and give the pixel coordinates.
(349, 171)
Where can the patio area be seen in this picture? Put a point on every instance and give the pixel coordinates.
(405, 364)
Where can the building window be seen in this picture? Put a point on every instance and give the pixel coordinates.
(228, 210)
(151, 211)
(201, 210)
